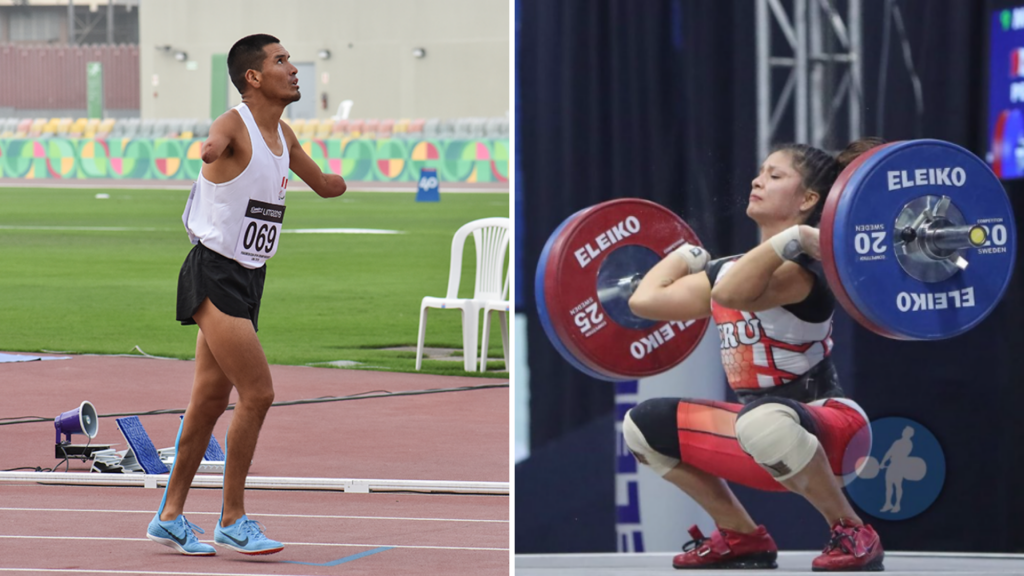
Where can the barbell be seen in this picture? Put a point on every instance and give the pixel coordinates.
(918, 242)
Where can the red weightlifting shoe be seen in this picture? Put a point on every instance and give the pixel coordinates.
(851, 549)
(728, 549)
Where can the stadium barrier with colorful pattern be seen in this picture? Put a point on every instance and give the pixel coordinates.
(383, 160)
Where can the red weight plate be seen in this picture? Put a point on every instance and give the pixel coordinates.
(542, 308)
(999, 140)
(828, 216)
(562, 330)
(586, 289)
(553, 265)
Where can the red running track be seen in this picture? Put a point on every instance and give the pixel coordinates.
(455, 436)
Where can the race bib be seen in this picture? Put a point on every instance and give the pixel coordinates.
(261, 227)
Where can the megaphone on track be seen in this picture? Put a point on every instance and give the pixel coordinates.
(81, 420)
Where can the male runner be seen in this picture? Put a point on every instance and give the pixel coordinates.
(233, 217)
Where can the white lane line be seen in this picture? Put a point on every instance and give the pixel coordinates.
(338, 231)
(128, 229)
(80, 571)
(87, 228)
(113, 539)
(477, 548)
(256, 515)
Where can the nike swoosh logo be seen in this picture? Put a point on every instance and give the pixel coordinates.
(239, 542)
(181, 541)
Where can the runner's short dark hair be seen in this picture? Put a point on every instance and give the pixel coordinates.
(247, 54)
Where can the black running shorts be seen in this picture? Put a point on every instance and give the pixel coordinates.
(234, 289)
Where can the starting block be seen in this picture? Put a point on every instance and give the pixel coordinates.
(84, 452)
(213, 459)
(142, 456)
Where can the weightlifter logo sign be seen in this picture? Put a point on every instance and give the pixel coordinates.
(903, 474)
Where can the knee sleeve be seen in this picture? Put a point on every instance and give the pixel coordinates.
(642, 451)
(772, 435)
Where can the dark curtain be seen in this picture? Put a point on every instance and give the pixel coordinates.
(610, 108)
(656, 99)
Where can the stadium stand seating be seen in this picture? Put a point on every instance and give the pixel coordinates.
(447, 129)
(91, 127)
(171, 129)
(103, 131)
(309, 130)
(324, 129)
(36, 129)
(496, 128)
(117, 130)
(401, 128)
(188, 128)
(63, 127)
(23, 127)
(355, 128)
(132, 130)
(161, 127)
(77, 128)
(372, 127)
(432, 128)
(146, 128)
(416, 128)
(9, 127)
(203, 128)
(50, 128)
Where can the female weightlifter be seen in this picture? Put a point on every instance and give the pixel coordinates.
(793, 425)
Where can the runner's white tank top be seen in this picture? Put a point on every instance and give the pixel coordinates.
(241, 219)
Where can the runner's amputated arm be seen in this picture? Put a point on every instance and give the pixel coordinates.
(218, 141)
(325, 185)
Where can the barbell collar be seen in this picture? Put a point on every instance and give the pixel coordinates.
(945, 238)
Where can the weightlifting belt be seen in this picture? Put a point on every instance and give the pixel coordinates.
(821, 381)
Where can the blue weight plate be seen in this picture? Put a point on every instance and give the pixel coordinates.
(542, 306)
(827, 226)
(864, 240)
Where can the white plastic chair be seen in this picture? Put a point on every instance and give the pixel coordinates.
(501, 307)
(344, 109)
(491, 238)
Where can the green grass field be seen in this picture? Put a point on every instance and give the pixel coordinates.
(85, 275)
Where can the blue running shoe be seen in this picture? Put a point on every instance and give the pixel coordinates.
(180, 535)
(246, 536)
